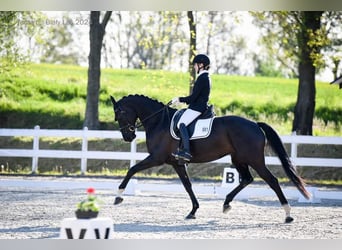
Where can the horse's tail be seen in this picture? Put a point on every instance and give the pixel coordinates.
(278, 147)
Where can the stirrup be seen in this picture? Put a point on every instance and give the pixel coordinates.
(176, 155)
(182, 155)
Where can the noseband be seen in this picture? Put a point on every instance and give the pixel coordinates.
(130, 127)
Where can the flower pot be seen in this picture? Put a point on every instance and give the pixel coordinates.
(86, 214)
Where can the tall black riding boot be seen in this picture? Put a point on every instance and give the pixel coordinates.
(184, 153)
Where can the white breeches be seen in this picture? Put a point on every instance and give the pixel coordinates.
(188, 116)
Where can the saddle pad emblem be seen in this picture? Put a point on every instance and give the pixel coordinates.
(198, 129)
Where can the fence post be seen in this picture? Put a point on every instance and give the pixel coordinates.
(35, 149)
(84, 151)
(133, 151)
(293, 148)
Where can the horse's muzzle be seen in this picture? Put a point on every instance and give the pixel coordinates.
(129, 137)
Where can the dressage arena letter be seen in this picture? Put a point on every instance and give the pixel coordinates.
(231, 178)
(98, 228)
(83, 232)
(70, 236)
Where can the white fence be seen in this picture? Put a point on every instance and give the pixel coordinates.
(84, 154)
(35, 153)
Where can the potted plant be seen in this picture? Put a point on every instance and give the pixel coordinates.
(88, 208)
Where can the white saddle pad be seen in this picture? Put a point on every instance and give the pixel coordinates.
(202, 129)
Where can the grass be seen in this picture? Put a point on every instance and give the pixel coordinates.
(53, 96)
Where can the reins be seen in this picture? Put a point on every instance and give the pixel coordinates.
(140, 124)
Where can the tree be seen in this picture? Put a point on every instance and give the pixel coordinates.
(10, 55)
(7, 52)
(297, 36)
(58, 45)
(152, 39)
(59, 38)
(333, 53)
(160, 40)
(16, 26)
(96, 34)
(310, 25)
(219, 36)
(192, 47)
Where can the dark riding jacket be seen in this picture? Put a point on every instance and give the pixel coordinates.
(198, 100)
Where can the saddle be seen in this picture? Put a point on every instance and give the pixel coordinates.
(198, 129)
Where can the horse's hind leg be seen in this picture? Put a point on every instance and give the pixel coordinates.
(246, 178)
(183, 175)
(272, 181)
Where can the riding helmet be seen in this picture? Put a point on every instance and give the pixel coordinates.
(201, 58)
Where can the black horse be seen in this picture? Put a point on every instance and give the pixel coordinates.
(243, 139)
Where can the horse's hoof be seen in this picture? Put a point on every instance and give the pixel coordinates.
(118, 200)
(288, 219)
(226, 208)
(190, 216)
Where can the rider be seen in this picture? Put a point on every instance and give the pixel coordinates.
(197, 103)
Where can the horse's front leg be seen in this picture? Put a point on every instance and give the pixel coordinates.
(183, 175)
(144, 164)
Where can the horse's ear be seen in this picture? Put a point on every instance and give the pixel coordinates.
(113, 100)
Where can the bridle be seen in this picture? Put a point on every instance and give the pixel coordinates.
(132, 127)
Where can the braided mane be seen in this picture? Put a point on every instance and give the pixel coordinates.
(125, 98)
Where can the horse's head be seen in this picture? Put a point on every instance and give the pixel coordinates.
(126, 118)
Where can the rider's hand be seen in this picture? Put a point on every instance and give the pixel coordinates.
(175, 100)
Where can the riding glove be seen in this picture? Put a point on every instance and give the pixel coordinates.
(175, 100)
